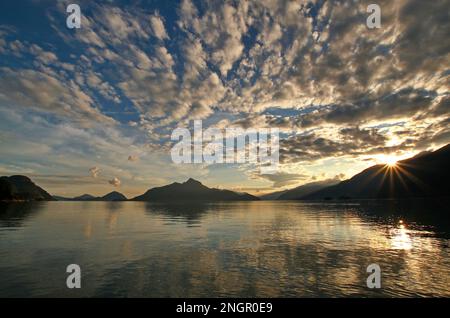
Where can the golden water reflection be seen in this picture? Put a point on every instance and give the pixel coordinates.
(251, 249)
(401, 238)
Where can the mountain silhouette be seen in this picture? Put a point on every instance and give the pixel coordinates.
(112, 196)
(306, 189)
(84, 197)
(424, 175)
(192, 190)
(272, 195)
(21, 188)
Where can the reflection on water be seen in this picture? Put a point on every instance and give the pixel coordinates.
(253, 249)
(188, 212)
(401, 238)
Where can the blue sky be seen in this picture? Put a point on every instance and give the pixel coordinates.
(92, 110)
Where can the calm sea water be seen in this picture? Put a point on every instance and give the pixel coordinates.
(251, 249)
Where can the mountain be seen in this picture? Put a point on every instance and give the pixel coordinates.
(84, 197)
(60, 198)
(112, 196)
(21, 188)
(426, 175)
(273, 195)
(192, 190)
(306, 189)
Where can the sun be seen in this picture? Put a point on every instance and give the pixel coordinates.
(388, 160)
(391, 161)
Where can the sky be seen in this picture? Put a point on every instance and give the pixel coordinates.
(91, 110)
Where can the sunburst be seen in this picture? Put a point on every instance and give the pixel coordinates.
(388, 160)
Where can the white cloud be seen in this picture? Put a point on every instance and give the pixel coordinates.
(158, 28)
(115, 182)
(42, 92)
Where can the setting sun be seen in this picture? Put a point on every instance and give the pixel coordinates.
(391, 161)
(387, 160)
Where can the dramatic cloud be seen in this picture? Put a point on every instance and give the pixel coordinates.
(334, 87)
(352, 141)
(43, 92)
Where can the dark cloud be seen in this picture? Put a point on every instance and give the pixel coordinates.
(352, 141)
(404, 103)
(442, 108)
(368, 137)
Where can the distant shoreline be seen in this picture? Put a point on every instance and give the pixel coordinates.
(229, 201)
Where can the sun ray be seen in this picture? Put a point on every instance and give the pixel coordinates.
(410, 176)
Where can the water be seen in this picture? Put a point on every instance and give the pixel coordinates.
(251, 249)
